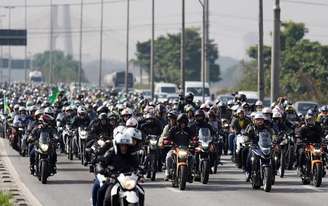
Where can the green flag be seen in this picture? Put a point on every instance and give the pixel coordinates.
(54, 95)
(6, 107)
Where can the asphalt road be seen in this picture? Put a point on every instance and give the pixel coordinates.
(71, 186)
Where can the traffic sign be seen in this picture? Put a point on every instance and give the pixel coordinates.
(13, 37)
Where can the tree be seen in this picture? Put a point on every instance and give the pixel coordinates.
(304, 65)
(65, 68)
(167, 57)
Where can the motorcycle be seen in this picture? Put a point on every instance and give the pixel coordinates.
(203, 154)
(68, 135)
(43, 164)
(99, 147)
(83, 136)
(180, 163)
(225, 128)
(279, 154)
(314, 167)
(290, 151)
(261, 164)
(126, 190)
(152, 156)
(242, 149)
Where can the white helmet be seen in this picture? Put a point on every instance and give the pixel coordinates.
(48, 110)
(259, 103)
(276, 115)
(21, 108)
(266, 110)
(121, 138)
(81, 110)
(133, 133)
(118, 130)
(204, 106)
(209, 103)
(253, 115)
(126, 111)
(240, 110)
(259, 115)
(132, 122)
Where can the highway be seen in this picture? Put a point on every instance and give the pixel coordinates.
(72, 186)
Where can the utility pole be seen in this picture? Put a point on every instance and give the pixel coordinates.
(275, 69)
(9, 47)
(207, 71)
(81, 38)
(152, 50)
(25, 63)
(261, 83)
(51, 43)
(182, 50)
(127, 47)
(101, 43)
(202, 72)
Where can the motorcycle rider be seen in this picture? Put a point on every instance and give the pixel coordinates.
(200, 122)
(252, 131)
(120, 160)
(238, 123)
(311, 132)
(187, 100)
(161, 113)
(45, 123)
(180, 135)
(82, 119)
(258, 105)
(150, 125)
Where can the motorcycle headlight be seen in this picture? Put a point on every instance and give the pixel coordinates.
(44, 147)
(182, 155)
(316, 151)
(153, 142)
(129, 184)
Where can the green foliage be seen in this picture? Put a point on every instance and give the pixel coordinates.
(304, 66)
(65, 68)
(167, 57)
(5, 199)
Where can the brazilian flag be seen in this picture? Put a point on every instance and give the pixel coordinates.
(54, 95)
(6, 108)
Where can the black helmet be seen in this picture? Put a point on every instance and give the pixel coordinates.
(190, 96)
(172, 114)
(182, 118)
(102, 116)
(200, 113)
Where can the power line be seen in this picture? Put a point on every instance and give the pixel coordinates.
(71, 4)
(306, 3)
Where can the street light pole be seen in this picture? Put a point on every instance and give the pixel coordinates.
(81, 38)
(25, 59)
(152, 50)
(9, 48)
(182, 50)
(260, 54)
(127, 47)
(101, 43)
(275, 69)
(51, 44)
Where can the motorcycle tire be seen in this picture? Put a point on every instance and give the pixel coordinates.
(182, 177)
(290, 157)
(205, 172)
(82, 153)
(317, 175)
(282, 164)
(215, 167)
(267, 179)
(70, 148)
(43, 172)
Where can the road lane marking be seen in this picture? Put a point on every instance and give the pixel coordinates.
(173, 189)
(313, 188)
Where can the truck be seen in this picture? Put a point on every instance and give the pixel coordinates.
(116, 80)
(36, 76)
(163, 91)
(196, 88)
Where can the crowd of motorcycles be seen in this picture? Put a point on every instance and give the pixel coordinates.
(96, 126)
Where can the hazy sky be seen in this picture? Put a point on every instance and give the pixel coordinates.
(233, 23)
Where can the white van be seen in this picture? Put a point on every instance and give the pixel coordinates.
(196, 87)
(163, 91)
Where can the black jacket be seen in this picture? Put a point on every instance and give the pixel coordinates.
(180, 137)
(311, 134)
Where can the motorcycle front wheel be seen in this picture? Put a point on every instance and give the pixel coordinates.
(267, 179)
(43, 171)
(317, 175)
(182, 177)
(205, 171)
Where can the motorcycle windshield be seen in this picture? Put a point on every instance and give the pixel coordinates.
(265, 140)
(44, 138)
(204, 135)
